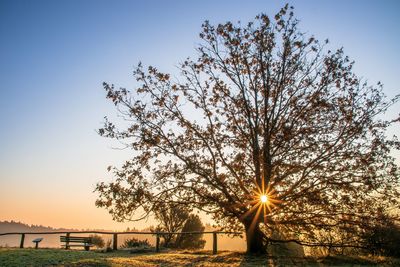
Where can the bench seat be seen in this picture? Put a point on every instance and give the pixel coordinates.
(85, 242)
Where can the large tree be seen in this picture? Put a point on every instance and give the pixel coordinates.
(267, 130)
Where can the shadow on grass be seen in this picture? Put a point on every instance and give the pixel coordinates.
(359, 261)
(339, 260)
(274, 261)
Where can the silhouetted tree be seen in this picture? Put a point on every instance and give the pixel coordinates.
(264, 110)
(191, 241)
(171, 218)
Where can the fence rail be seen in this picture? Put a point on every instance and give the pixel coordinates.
(115, 236)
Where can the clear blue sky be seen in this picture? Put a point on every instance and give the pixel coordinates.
(54, 56)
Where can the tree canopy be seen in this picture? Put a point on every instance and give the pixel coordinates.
(265, 109)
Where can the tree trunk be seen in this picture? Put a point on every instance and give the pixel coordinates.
(167, 240)
(254, 239)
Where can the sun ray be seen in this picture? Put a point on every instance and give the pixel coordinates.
(250, 210)
(265, 214)
(255, 219)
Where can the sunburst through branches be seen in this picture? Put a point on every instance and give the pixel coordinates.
(263, 201)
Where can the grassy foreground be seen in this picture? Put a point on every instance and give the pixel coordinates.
(56, 257)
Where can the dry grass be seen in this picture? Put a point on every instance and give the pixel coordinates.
(56, 257)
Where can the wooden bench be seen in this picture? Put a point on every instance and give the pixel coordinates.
(85, 242)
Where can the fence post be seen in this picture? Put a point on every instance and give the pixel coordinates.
(157, 243)
(115, 241)
(21, 245)
(214, 243)
(67, 239)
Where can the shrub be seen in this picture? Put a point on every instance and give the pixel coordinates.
(134, 242)
(383, 239)
(98, 241)
(108, 246)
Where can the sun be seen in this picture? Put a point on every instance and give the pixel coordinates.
(263, 202)
(264, 199)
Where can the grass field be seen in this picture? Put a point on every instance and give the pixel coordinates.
(56, 257)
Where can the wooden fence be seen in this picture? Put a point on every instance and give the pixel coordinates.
(115, 236)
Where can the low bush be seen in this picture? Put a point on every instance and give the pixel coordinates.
(134, 242)
(98, 241)
(383, 239)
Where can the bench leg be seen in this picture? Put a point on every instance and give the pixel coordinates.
(87, 248)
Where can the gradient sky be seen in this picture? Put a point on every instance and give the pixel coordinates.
(54, 56)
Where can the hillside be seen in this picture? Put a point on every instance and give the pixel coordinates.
(12, 226)
(50, 240)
